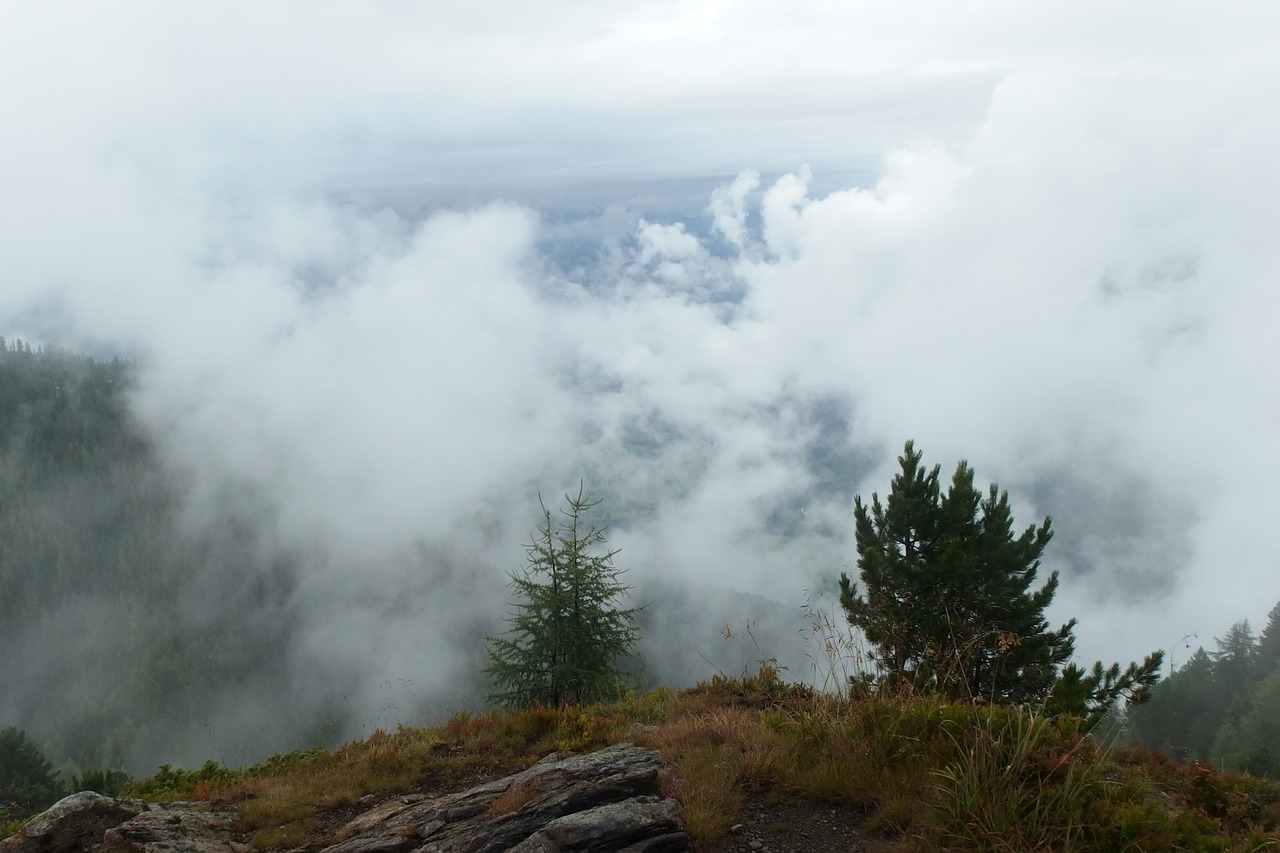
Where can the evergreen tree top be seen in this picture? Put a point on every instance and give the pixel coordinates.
(950, 598)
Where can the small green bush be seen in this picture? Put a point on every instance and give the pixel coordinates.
(170, 783)
(11, 827)
(109, 783)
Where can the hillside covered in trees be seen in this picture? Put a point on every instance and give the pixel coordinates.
(104, 657)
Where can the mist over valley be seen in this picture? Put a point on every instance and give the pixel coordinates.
(305, 308)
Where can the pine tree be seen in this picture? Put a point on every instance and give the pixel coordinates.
(1236, 657)
(1234, 676)
(26, 776)
(951, 602)
(1184, 714)
(1249, 743)
(1268, 655)
(567, 635)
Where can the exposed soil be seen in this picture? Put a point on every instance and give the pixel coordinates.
(790, 824)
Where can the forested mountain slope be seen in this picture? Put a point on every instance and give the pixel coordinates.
(105, 657)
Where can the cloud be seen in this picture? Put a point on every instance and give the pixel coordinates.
(373, 320)
(728, 208)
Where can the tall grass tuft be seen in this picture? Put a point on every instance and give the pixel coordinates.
(1017, 781)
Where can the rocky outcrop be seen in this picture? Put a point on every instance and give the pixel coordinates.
(72, 824)
(92, 822)
(174, 828)
(603, 801)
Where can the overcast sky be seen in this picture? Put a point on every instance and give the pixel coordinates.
(398, 266)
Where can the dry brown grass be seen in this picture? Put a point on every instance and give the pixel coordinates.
(919, 768)
(712, 756)
(282, 809)
(513, 799)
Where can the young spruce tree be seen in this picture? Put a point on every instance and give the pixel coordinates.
(951, 602)
(568, 636)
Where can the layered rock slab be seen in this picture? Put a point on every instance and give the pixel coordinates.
(603, 801)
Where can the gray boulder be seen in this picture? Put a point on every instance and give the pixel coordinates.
(72, 824)
(174, 828)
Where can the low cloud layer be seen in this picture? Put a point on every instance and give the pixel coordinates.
(371, 321)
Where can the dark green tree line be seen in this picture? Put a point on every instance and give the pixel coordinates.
(1222, 706)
